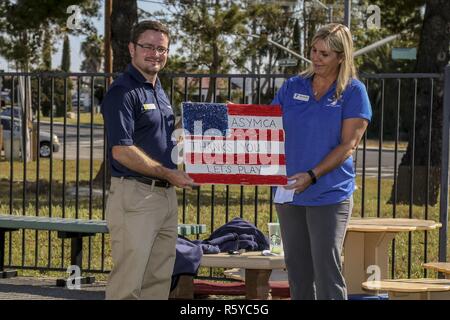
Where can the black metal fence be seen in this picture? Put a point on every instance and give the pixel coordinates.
(69, 182)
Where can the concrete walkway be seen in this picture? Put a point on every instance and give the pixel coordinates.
(33, 288)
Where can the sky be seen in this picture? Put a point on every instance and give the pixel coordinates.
(75, 41)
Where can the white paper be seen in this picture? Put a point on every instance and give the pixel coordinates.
(282, 195)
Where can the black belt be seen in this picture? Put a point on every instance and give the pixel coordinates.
(150, 181)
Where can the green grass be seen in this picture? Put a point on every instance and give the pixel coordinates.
(212, 201)
(373, 143)
(85, 118)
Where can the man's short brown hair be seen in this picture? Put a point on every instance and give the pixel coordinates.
(143, 26)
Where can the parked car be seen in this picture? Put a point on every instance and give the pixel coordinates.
(45, 143)
(7, 112)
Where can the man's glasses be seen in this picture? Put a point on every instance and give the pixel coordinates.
(150, 47)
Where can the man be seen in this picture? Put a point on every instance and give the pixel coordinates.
(142, 205)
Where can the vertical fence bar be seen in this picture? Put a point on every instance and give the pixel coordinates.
(227, 187)
(11, 167)
(25, 138)
(63, 187)
(200, 80)
(380, 148)
(214, 96)
(77, 161)
(394, 204)
(258, 101)
(184, 99)
(91, 166)
(50, 178)
(430, 123)
(271, 189)
(64, 151)
(363, 177)
(38, 129)
(443, 209)
(397, 134)
(413, 151)
(105, 170)
(91, 151)
(50, 189)
(411, 195)
(241, 200)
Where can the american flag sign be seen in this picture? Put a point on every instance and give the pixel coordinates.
(234, 143)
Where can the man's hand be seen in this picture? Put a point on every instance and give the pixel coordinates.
(180, 179)
(302, 181)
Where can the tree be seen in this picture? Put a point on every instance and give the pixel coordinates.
(202, 30)
(22, 23)
(92, 50)
(432, 57)
(47, 51)
(274, 21)
(124, 15)
(65, 60)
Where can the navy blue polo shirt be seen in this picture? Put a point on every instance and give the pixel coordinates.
(137, 113)
(313, 130)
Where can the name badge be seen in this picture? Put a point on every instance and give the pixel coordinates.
(301, 97)
(149, 106)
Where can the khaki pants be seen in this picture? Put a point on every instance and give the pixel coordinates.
(142, 222)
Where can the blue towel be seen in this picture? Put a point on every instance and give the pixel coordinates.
(243, 229)
(187, 261)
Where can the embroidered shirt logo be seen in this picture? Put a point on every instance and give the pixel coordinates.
(301, 97)
(333, 102)
(149, 106)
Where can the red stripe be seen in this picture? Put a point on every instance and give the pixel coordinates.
(248, 134)
(243, 158)
(246, 179)
(254, 110)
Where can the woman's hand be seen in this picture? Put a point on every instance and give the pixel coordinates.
(302, 181)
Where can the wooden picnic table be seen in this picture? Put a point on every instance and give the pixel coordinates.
(443, 267)
(258, 269)
(367, 244)
(412, 289)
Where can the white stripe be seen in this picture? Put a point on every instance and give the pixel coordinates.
(238, 146)
(255, 122)
(271, 170)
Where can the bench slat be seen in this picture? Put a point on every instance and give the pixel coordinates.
(247, 260)
(76, 225)
(443, 267)
(408, 285)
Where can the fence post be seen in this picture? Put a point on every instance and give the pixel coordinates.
(443, 210)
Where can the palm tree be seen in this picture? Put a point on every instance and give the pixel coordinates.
(92, 50)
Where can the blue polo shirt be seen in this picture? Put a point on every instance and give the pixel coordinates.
(313, 130)
(137, 113)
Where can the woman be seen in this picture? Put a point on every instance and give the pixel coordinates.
(325, 113)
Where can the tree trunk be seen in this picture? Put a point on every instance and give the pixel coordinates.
(433, 55)
(123, 17)
(214, 69)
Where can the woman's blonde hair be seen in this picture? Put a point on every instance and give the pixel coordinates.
(339, 39)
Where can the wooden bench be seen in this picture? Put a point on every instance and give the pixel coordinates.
(74, 229)
(258, 269)
(442, 267)
(412, 289)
